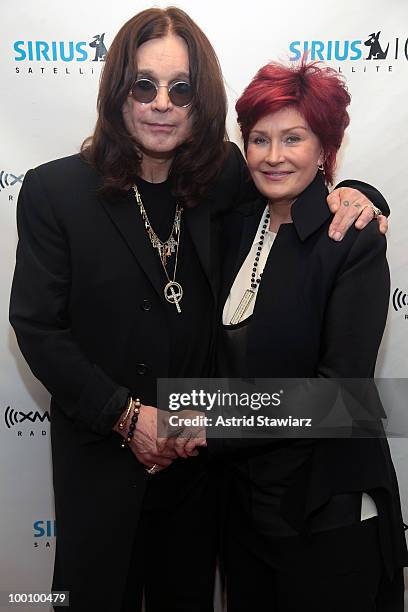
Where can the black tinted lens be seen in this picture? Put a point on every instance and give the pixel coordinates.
(144, 90)
(181, 93)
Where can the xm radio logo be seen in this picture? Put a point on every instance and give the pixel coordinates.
(15, 418)
(400, 300)
(61, 51)
(7, 179)
(368, 47)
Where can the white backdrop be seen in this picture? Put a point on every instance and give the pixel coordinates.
(47, 107)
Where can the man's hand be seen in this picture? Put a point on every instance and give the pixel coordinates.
(144, 441)
(185, 438)
(350, 206)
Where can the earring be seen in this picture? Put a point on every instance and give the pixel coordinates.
(320, 167)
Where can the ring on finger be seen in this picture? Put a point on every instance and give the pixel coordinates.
(376, 211)
(153, 469)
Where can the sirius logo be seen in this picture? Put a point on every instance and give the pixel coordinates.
(352, 50)
(7, 179)
(43, 529)
(376, 51)
(65, 51)
(339, 50)
(44, 533)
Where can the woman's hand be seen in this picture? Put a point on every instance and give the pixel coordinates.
(350, 206)
(185, 438)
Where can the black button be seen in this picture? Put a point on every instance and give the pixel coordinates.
(146, 305)
(141, 368)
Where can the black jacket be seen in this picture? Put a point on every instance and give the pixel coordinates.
(320, 312)
(88, 311)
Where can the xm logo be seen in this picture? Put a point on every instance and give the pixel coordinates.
(399, 299)
(7, 179)
(14, 417)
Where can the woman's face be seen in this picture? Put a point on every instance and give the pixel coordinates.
(283, 154)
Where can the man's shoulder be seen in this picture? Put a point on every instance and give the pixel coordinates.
(70, 171)
(227, 188)
(234, 160)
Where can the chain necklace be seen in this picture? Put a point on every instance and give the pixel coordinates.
(173, 291)
(256, 276)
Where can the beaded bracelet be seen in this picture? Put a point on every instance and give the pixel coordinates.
(136, 411)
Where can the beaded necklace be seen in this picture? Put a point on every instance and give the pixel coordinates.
(256, 276)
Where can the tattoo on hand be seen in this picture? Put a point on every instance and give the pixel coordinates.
(346, 203)
(357, 205)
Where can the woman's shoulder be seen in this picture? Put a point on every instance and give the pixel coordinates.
(356, 247)
(367, 240)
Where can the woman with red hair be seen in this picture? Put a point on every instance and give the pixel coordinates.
(314, 524)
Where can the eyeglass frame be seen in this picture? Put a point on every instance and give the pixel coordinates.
(157, 85)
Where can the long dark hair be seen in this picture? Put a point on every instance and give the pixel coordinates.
(114, 152)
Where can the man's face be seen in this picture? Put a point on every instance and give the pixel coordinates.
(159, 127)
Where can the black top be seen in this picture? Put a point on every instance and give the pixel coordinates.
(190, 330)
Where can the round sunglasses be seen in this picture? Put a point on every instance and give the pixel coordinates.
(145, 91)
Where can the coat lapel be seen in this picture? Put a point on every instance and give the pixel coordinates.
(125, 216)
(242, 226)
(198, 222)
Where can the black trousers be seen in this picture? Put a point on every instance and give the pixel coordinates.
(338, 570)
(174, 553)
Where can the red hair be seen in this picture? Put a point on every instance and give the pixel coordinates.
(317, 93)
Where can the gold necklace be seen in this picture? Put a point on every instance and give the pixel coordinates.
(173, 291)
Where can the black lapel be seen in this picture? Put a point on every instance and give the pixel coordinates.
(125, 215)
(199, 225)
(241, 227)
(310, 210)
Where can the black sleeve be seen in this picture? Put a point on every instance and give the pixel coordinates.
(357, 311)
(370, 192)
(39, 314)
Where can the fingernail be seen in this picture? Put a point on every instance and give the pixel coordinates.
(337, 236)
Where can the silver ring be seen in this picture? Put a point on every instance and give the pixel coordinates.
(152, 470)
